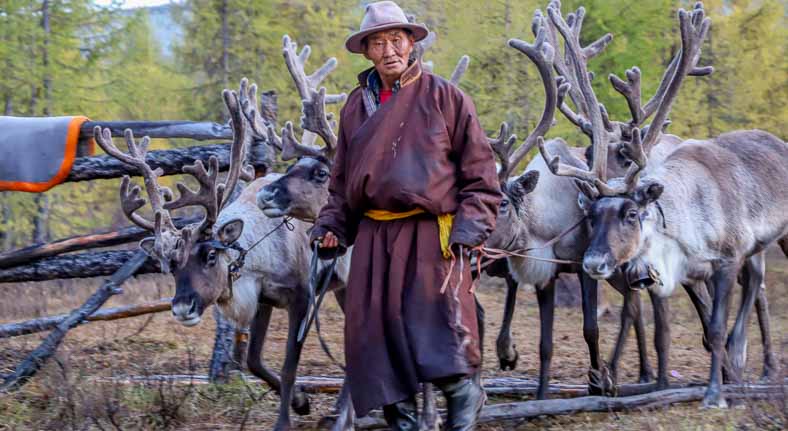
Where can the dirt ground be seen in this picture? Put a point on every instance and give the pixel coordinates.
(70, 394)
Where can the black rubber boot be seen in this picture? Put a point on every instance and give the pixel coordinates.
(402, 416)
(464, 400)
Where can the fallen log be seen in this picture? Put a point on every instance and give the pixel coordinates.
(50, 322)
(261, 157)
(78, 265)
(82, 242)
(521, 411)
(200, 131)
(506, 412)
(36, 359)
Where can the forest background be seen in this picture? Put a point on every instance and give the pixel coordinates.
(76, 57)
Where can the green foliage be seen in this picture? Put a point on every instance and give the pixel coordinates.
(106, 63)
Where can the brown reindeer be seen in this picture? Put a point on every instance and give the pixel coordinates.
(704, 212)
(273, 273)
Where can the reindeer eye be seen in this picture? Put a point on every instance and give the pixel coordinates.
(211, 257)
(321, 174)
(504, 204)
(632, 216)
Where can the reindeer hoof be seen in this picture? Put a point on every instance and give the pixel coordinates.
(300, 403)
(645, 378)
(509, 363)
(714, 401)
(600, 382)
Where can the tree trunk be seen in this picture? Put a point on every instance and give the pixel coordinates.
(224, 12)
(8, 105)
(41, 219)
(5, 221)
(47, 83)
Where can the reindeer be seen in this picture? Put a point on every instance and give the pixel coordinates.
(237, 258)
(703, 213)
(546, 222)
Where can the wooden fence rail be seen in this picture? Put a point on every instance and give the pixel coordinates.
(50, 322)
(170, 161)
(200, 131)
(82, 242)
(78, 265)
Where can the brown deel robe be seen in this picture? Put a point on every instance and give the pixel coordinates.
(423, 148)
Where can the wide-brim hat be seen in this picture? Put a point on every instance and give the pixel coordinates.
(379, 16)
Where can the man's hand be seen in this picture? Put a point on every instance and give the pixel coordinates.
(329, 241)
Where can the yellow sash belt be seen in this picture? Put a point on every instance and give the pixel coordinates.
(444, 224)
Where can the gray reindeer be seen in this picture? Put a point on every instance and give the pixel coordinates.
(544, 218)
(703, 213)
(275, 269)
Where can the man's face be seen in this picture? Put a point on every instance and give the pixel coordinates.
(389, 50)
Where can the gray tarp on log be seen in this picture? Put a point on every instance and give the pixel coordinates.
(33, 151)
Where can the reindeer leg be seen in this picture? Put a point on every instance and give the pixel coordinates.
(506, 350)
(753, 272)
(722, 280)
(699, 295)
(770, 365)
(630, 313)
(295, 314)
(661, 337)
(646, 374)
(546, 298)
(254, 359)
(599, 380)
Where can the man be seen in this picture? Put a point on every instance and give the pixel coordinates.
(413, 188)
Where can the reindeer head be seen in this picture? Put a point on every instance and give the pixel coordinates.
(303, 190)
(196, 254)
(616, 209)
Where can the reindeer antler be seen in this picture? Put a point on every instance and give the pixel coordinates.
(313, 100)
(212, 195)
(166, 234)
(542, 54)
(693, 27)
(459, 70)
(503, 146)
(577, 59)
(565, 66)
(130, 197)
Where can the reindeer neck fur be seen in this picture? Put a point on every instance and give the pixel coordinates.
(724, 200)
(274, 268)
(547, 212)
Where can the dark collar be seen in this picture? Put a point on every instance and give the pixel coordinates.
(409, 76)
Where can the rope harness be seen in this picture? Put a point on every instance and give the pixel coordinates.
(234, 269)
(316, 295)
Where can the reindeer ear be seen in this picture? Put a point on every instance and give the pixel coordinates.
(528, 181)
(230, 231)
(147, 245)
(522, 185)
(648, 193)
